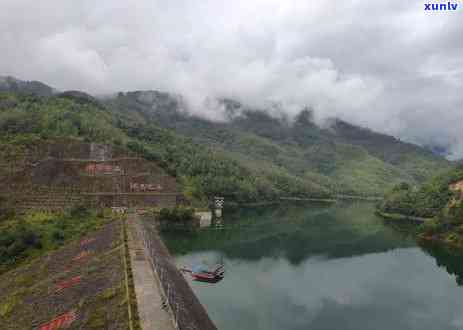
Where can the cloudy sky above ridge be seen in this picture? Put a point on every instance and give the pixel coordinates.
(385, 64)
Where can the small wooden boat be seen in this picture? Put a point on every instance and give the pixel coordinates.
(202, 273)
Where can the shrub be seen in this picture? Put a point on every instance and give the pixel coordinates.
(430, 228)
(179, 215)
(58, 235)
(452, 237)
(79, 211)
(16, 241)
(459, 230)
(455, 213)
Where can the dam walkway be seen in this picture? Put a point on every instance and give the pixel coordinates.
(153, 310)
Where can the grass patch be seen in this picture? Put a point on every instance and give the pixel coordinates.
(7, 306)
(36, 233)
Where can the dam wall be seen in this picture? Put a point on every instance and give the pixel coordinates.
(187, 311)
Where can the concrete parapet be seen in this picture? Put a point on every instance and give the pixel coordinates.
(187, 310)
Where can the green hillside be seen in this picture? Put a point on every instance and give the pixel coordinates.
(253, 156)
(28, 122)
(429, 200)
(343, 158)
(437, 200)
(11, 84)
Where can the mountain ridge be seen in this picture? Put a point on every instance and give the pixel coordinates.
(297, 146)
(284, 154)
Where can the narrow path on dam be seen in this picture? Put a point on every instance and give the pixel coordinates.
(153, 310)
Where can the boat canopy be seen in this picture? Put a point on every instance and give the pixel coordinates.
(199, 269)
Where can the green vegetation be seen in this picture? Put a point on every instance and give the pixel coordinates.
(37, 233)
(6, 307)
(434, 199)
(287, 157)
(27, 123)
(24, 118)
(99, 318)
(250, 158)
(99, 299)
(179, 217)
(179, 214)
(427, 201)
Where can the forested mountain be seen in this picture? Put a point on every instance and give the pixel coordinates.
(249, 156)
(28, 121)
(342, 157)
(11, 84)
(440, 195)
(440, 199)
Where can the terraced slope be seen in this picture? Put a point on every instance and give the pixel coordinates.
(56, 175)
(82, 285)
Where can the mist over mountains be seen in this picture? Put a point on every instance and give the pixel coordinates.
(386, 65)
(282, 155)
(11, 84)
(150, 103)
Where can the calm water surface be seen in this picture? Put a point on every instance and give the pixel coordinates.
(308, 266)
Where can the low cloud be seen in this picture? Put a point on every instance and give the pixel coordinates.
(387, 65)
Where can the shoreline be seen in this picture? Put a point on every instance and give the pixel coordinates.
(321, 200)
(440, 241)
(421, 236)
(333, 199)
(398, 216)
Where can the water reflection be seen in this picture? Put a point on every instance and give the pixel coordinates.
(449, 259)
(295, 231)
(317, 267)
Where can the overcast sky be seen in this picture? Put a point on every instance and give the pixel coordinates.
(384, 64)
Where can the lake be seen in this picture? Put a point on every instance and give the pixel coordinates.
(311, 266)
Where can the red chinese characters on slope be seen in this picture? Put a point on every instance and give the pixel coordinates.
(63, 321)
(143, 187)
(94, 169)
(68, 283)
(87, 241)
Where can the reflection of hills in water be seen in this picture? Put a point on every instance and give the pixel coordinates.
(295, 231)
(447, 258)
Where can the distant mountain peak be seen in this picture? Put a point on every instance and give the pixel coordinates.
(12, 84)
(81, 97)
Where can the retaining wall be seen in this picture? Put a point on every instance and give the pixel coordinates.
(58, 176)
(53, 201)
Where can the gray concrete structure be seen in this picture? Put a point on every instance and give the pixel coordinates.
(153, 310)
